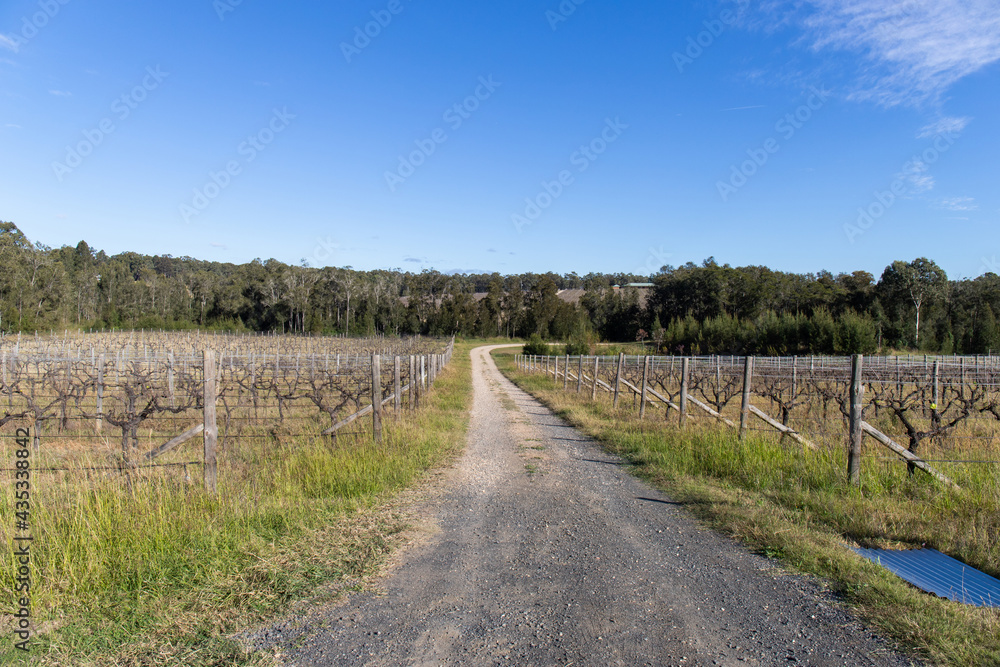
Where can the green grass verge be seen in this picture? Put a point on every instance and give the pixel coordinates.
(795, 505)
(166, 575)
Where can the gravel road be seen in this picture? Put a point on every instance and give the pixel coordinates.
(541, 549)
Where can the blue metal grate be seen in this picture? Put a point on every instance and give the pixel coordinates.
(932, 571)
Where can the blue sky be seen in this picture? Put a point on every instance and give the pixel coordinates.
(578, 136)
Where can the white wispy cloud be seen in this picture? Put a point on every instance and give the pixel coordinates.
(917, 176)
(943, 126)
(959, 204)
(914, 50)
(61, 93)
(8, 43)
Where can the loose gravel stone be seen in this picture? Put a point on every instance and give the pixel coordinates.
(543, 550)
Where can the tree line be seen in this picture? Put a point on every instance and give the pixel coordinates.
(691, 309)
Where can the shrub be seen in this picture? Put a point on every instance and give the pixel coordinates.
(536, 345)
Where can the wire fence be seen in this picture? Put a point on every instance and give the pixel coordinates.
(948, 406)
(125, 399)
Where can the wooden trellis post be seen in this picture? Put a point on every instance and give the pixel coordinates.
(856, 417)
(936, 395)
(170, 378)
(413, 383)
(618, 377)
(397, 385)
(745, 404)
(211, 433)
(685, 377)
(642, 401)
(377, 397)
(593, 388)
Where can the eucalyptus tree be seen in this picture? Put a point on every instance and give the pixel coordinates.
(916, 282)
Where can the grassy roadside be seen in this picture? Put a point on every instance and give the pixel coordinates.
(166, 575)
(796, 506)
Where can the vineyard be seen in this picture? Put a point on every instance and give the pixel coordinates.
(167, 488)
(933, 413)
(120, 402)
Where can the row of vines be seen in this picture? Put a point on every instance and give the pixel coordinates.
(945, 409)
(118, 401)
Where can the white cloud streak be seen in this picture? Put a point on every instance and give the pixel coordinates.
(959, 204)
(914, 50)
(944, 126)
(917, 176)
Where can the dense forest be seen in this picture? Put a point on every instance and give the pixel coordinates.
(691, 309)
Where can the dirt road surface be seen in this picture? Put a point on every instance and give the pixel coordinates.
(542, 550)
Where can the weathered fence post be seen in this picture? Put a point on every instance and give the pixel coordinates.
(685, 377)
(170, 378)
(856, 416)
(397, 385)
(555, 376)
(377, 397)
(579, 375)
(745, 404)
(566, 374)
(100, 392)
(413, 382)
(645, 373)
(961, 371)
(593, 389)
(618, 377)
(936, 395)
(211, 433)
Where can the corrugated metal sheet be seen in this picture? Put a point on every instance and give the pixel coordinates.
(932, 571)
